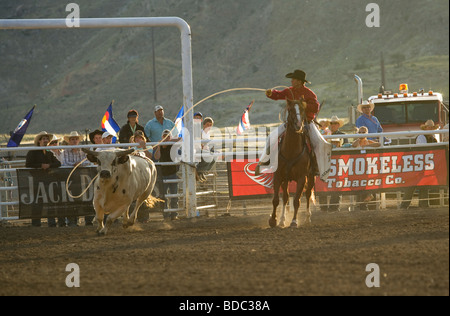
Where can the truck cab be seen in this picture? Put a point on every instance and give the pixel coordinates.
(405, 111)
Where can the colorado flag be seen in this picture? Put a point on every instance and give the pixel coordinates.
(109, 124)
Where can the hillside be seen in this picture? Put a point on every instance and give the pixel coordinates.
(72, 75)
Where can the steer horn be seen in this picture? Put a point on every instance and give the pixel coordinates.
(90, 152)
(124, 152)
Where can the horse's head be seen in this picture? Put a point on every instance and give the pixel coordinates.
(293, 121)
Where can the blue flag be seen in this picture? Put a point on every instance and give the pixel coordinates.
(109, 124)
(179, 122)
(20, 130)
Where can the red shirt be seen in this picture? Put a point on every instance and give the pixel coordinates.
(312, 105)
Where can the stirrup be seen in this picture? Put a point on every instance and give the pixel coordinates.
(258, 167)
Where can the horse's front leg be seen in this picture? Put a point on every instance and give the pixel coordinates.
(275, 202)
(309, 192)
(284, 188)
(298, 195)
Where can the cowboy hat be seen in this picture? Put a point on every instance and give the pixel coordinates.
(324, 123)
(38, 137)
(72, 134)
(335, 119)
(55, 139)
(298, 74)
(365, 103)
(92, 134)
(429, 125)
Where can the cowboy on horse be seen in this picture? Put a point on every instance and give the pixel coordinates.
(321, 149)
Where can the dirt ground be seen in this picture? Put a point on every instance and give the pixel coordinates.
(235, 256)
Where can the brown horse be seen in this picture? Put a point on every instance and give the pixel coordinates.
(293, 165)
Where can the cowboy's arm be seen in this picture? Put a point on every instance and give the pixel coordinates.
(279, 95)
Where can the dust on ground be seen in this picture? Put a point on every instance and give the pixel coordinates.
(235, 255)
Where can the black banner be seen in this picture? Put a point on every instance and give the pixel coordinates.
(42, 193)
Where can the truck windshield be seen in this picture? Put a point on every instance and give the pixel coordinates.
(407, 112)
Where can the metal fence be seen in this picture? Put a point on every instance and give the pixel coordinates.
(212, 195)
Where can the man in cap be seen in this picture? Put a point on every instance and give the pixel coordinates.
(321, 153)
(155, 127)
(130, 127)
(42, 159)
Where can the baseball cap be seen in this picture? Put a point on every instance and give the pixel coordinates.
(132, 113)
(106, 134)
(158, 107)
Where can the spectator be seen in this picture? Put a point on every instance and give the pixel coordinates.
(335, 199)
(364, 141)
(335, 125)
(364, 197)
(155, 127)
(74, 157)
(423, 193)
(96, 137)
(106, 138)
(367, 119)
(205, 165)
(198, 116)
(132, 125)
(427, 126)
(324, 127)
(42, 159)
(57, 152)
(162, 153)
(139, 138)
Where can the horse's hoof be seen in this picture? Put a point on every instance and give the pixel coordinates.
(272, 222)
(294, 224)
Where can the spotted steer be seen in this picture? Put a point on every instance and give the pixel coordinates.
(122, 179)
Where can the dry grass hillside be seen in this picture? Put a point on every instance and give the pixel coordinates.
(72, 75)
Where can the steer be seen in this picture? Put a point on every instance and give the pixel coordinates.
(122, 179)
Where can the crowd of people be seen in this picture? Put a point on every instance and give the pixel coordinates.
(159, 129)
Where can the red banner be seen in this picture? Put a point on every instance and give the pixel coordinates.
(384, 169)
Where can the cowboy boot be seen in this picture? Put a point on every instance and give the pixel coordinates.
(258, 166)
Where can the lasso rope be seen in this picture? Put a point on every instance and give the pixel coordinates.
(162, 140)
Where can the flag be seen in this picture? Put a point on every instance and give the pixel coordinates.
(179, 122)
(20, 130)
(109, 124)
(244, 124)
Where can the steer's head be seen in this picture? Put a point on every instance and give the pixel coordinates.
(108, 160)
